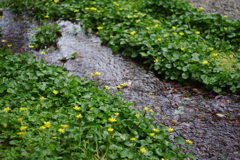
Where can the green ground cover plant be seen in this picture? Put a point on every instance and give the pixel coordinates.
(173, 38)
(45, 36)
(46, 114)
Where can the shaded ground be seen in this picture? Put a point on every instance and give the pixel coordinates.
(210, 121)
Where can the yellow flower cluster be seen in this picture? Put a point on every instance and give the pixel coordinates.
(99, 28)
(7, 109)
(200, 8)
(170, 129)
(188, 141)
(55, 92)
(112, 119)
(133, 32)
(9, 45)
(76, 108)
(143, 150)
(79, 116)
(4, 40)
(116, 114)
(96, 74)
(110, 129)
(205, 62)
(115, 3)
(133, 139)
(92, 8)
(22, 128)
(47, 124)
(23, 109)
(106, 87)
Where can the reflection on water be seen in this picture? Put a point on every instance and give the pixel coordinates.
(192, 112)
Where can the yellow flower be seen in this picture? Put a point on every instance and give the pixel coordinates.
(92, 74)
(76, 108)
(77, 10)
(20, 119)
(182, 48)
(120, 9)
(38, 105)
(174, 27)
(128, 16)
(147, 27)
(64, 126)
(143, 15)
(211, 49)
(47, 16)
(23, 109)
(93, 9)
(170, 129)
(150, 110)
(4, 40)
(159, 39)
(7, 109)
(116, 114)
(41, 98)
(174, 33)
(5, 125)
(205, 62)
(135, 16)
(31, 46)
(61, 130)
(9, 45)
(22, 128)
(135, 10)
(165, 35)
(47, 124)
(215, 54)
(106, 87)
(54, 137)
(200, 8)
(20, 133)
(225, 16)
(119, 87)
(137, 115)
(79, 116)
(143, 150)
(124, 84)
(87, 8)
(56, 1)
(133, 139)
(155, 130)
(188, 141)
(99, 28)
(152, 134)
(1, 16)
(46, 3)
(110, 129)
(98, 73)
(225, 28)
(42, 127)
(133, 32)
(138, 20)
(181, 33)
(156, 26)
(111, 36)
(146, 108)
(55, 92)
(112, 119)
(197, 32)
(155, 60)
(43, 52)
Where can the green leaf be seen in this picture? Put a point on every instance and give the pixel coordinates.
(192, 156)
(180, 140)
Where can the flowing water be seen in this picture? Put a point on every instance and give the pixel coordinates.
(211, 121)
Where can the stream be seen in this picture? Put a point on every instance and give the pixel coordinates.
(211, 121)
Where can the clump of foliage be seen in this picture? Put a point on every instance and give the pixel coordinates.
(47, 115)
(45, 36)
(173, 38)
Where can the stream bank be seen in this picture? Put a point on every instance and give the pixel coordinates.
(211, 121)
